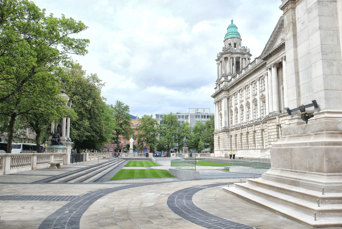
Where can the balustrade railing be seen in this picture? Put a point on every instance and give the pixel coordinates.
(12, 163)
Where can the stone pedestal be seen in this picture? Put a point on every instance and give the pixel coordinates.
(305, 179)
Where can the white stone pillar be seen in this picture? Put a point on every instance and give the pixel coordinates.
(218, 70)
(228, 66)
(68, 128)
(216, 116)
(225, 112)
(285, 83)
(270, 101)
(234, 65)
(258, 98)
(275, 89)
(266, 94)
(63, 128)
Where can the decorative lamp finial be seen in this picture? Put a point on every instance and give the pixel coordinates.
(231, 21)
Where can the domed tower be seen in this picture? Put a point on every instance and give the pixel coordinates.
(233, 57)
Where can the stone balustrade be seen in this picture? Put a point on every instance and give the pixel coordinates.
(13, 163)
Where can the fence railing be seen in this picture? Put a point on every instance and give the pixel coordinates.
(185, 164)
(13, 163)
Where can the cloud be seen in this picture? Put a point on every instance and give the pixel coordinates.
(158, 56)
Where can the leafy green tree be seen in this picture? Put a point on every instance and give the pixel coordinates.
(122, 121)
(168, 132)
(184, 132)
(197, 136)
(33, 47)
(208, 137)
(147, 132)
(94, 122)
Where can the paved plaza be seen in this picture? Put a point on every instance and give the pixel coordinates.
(25, 202)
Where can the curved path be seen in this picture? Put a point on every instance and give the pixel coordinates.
(181, 203)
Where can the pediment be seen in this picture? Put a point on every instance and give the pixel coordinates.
(276, 39)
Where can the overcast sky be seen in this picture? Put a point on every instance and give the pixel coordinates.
(158, 56)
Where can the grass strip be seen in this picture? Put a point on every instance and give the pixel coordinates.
(141, 173)
(210, 163)
(141, 164)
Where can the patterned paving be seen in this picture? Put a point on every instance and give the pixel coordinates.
(181, 203)
(39, 198)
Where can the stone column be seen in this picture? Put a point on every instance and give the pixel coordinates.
(270, 94)
(234, 65)
(216, 116)
(228, 66)
(266, 95)
(68, 128)
(218, 70)
(285, 83)
(63, 128)
(224, 113)
(258, 98)
(275, 89)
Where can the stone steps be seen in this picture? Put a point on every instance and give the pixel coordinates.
(304, 209)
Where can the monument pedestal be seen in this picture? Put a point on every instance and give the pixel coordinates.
(305, 179)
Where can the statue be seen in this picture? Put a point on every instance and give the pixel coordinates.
(56, 137)
(131, 142)
(185, 142)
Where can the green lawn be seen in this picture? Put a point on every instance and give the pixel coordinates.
(141, 164)
(209, 163)
(141, 173)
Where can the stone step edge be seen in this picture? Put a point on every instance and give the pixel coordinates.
(95, 173)
(291, 199)
(299, 190)
(296, 215)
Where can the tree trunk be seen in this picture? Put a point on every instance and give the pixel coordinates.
(38, 140)
(10, 132)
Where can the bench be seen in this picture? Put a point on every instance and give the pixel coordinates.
(55, 165)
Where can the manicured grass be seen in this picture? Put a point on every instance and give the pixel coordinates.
(227, 169)
(209, 163)
(141, 164)
(141, 173)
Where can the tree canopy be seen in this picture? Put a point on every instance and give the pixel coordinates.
(33, 49)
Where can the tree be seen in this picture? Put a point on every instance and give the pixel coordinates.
(95, 121)
(122, 121)
(147, 132)
(197, 136)
(33, 47)
(184, 132)
(209, 134)
(168, 131)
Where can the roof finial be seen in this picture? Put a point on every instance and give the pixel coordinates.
(232, 21)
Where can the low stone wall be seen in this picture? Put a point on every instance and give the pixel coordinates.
(13, 163)
(183, 174)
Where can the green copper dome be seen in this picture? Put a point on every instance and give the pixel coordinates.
(232, 31)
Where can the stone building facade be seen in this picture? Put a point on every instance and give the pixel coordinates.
(250, 96)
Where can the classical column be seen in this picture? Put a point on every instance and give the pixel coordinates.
(275, 89)
(266, 94)
(258, 98)
(285, 83)
(224, 108)
(216, 116)
(68, 128)
(270, 97)
(218, 70)
(234, 66)
(63, 127)
(228, 66)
